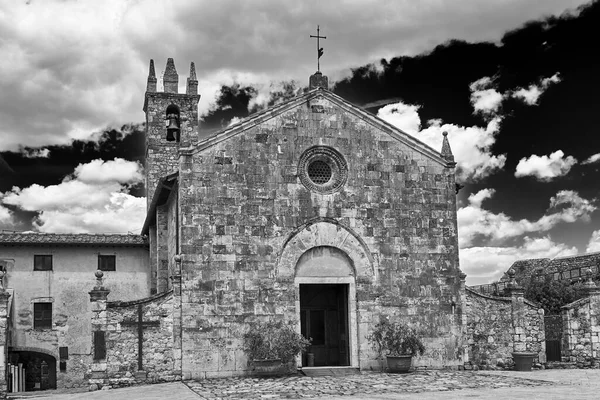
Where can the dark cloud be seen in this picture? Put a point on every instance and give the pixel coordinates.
(126, 142)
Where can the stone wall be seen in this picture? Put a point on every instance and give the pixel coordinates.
(242, 201)
(581, 332)
(489, 329)
(499, 326)
(120, 366)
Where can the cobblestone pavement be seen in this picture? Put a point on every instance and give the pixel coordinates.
(367, 385)
(438, 385)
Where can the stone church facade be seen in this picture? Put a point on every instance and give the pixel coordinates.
(313, 212)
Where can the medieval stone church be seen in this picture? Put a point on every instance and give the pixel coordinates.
(313, 212)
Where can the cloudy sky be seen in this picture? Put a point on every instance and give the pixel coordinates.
(513, 82)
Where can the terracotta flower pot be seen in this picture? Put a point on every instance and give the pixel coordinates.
(267, 367)
(399, 364)
(523, 360)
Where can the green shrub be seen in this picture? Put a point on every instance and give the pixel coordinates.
(274, 340)
(394, 339)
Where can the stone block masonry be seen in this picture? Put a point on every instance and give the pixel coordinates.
(145, 324)
(581, 329)
(243, 202)
(499, 326)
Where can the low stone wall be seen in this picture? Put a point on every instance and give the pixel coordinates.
(581, 332)
(159, 362)
(529, 331)
(489, 326)
(499, 326)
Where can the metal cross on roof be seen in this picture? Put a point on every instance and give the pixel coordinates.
(319, 48)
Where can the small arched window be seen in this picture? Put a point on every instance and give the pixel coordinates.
(173, 123)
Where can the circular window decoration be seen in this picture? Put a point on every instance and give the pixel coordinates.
(322, 169)
(319, 172)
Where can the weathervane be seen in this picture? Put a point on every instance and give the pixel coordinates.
(319, 48)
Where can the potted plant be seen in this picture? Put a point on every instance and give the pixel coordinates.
(398, 342)
(272, 345)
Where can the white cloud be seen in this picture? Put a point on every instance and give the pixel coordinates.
(6, 217)
(117, 170)
(471, 146)
(475, 222)
(487, 264)
(545, 168)
(405, 117)
(35, 153)
(484, 98)
(92, 200)
(534, 91)
(82, 66)
(592, 159)
(594, 243)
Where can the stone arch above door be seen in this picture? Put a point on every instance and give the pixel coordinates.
(329, 233)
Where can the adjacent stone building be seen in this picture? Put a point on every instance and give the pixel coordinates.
(48, 277)
(312, 211)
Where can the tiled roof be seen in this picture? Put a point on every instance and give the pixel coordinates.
(32, 238)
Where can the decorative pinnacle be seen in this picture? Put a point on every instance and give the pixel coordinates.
(192, 81)
(446, 151)
(151, 86)
(170, 78)
(589, 283)
(193, 72)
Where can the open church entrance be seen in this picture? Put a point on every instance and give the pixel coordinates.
(324, 318)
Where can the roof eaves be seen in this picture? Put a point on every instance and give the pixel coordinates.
(160, 187)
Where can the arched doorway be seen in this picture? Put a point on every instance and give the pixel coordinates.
(325, 280)
(30, 371)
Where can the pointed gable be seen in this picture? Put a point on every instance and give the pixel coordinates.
(320, 97)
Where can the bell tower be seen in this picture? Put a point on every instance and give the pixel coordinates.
(171, 123)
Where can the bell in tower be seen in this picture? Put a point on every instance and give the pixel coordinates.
(172, 121)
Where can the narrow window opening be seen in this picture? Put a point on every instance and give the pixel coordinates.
(107, 262)
(42, 262)
(173, 123)
(42, 315)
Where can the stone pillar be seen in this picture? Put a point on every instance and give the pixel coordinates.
(4, 295)
(463, 317)
(593, 292)
(177, 317)
(98, 376)
(517, 296)
(162, 249)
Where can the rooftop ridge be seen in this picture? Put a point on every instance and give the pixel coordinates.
(29, 237)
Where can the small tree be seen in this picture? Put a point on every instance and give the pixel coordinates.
(553, 294)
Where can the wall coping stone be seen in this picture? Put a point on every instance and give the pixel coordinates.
(576, 303)
(117, 304)
(485, 296)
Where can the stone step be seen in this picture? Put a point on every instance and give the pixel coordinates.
(329, 371)
(561, 365)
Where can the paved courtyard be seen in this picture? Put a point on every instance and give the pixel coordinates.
(439, 385)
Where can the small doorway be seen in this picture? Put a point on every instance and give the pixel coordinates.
(324, 318)
(31, 371)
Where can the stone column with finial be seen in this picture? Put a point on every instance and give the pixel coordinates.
(4, 296)
(593, 292)
(177, 316)
(99, 298)
(463, 316)
(517, 296)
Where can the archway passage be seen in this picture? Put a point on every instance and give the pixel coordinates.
(30, 371)
(324, 318)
